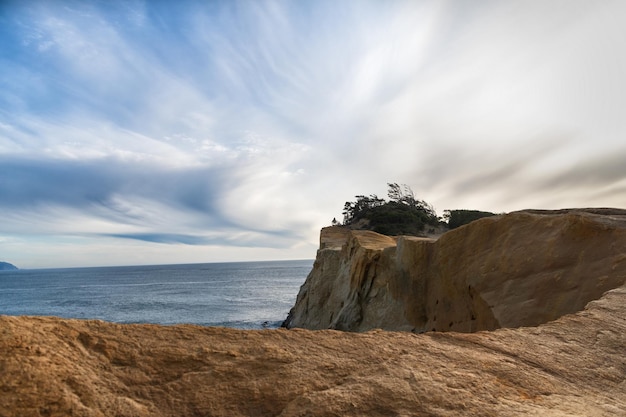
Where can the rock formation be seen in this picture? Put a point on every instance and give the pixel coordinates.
(519, 269)
(574, 366)
(5, 266)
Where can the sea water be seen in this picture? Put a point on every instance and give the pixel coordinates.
(236, 294)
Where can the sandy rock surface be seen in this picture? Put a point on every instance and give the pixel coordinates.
(575, 366)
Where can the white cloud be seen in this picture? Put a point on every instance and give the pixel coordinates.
(239, 122)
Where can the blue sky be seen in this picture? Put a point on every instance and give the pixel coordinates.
(142, 132)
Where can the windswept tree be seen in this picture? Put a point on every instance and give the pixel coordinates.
(402, 214)
(403, 194)
(354, 211)
(400, 193)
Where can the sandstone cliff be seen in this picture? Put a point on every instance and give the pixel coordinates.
(574, 366)
(519, 269)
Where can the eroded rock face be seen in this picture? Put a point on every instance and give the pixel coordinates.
(519, 269)
(574, 366)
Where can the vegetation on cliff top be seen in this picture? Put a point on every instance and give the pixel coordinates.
(402, 214)
(456, 218)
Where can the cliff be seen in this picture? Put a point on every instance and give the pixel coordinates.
(572, 366)
(519, 269)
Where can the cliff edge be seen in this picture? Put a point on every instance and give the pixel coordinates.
(520, 269)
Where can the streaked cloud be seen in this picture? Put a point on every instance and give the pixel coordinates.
(195, 131)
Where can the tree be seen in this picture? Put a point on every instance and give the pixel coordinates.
(401, 194)
(404, 194)
(354, 211)
(402, 214)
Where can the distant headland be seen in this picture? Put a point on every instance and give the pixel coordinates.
(5, 266)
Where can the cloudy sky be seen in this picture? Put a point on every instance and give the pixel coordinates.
(143, 132)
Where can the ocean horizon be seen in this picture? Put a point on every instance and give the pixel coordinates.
(247, 295)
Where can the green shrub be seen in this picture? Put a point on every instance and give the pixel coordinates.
(402, 215)
(458, 218)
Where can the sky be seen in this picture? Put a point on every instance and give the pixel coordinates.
(158, 132)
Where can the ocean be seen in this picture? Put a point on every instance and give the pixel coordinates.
(247, 295)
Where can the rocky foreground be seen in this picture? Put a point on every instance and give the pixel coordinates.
(574, 366)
